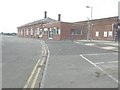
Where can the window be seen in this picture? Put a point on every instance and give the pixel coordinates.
(56, 31)
(38, 31)
(110, 33)
(31, 31)
(45, 31)
(75, 31)
(21, 32)
(105, 34)
(27, 32)
(59, 31)
(97, 34)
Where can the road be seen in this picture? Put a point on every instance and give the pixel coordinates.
(75, 65)
(21, 60)
(68, 65)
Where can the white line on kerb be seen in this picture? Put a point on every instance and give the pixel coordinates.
(99, 68)
(46, 66)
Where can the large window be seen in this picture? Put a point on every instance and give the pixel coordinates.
(76, 31)
(45, 31)
(56, 31)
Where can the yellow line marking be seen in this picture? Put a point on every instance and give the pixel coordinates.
(31, 75)
(36, 76)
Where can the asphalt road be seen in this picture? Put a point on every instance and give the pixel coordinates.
(69, 64)
(19, 56)
(73, 65)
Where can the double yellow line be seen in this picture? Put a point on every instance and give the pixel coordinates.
(37, 68)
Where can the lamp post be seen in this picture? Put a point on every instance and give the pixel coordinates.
(88, 33)
(90, 24)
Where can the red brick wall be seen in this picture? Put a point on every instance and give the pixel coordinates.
(65, 30)
(102, 25)
(57, 37)
(45, 37)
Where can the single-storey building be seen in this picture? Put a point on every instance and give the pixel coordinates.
(48, 28)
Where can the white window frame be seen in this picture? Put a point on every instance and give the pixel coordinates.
(105, 34)
(110, 33)
(21, 32)
(31, 31)
(59, 31)
(97, 34)
(27, 32)
(38, 31)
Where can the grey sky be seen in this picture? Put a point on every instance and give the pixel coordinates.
(18, 12)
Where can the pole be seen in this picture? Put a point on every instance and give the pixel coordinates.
(91, 23)
(88, 33)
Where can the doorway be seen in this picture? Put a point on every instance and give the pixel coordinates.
(50, 34)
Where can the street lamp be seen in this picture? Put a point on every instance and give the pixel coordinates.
(88, 32)
(90, 24)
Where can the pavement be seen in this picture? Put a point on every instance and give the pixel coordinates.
(107, 45)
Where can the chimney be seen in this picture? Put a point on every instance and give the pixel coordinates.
(45, 14)
(59, 17)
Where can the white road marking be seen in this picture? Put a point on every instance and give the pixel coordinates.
(108, 47)
(99, 68)
(99, 63)
(90, 44)
(77, 42)
(45, 69)
(113, 61)
(107, 62)
(100, 54)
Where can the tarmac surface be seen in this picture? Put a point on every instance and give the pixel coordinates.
(19, 56)
(70, 64)
(80, 65)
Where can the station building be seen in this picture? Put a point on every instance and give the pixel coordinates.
(48, 28)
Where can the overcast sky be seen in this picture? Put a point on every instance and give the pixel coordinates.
(14, 13)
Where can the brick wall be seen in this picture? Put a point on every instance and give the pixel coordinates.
(101, 26)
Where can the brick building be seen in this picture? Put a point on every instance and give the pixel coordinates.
(47, 28)
(102, 29)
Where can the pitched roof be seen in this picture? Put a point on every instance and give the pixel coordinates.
(42, 21)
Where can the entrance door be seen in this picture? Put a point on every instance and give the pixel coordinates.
(50, 34)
